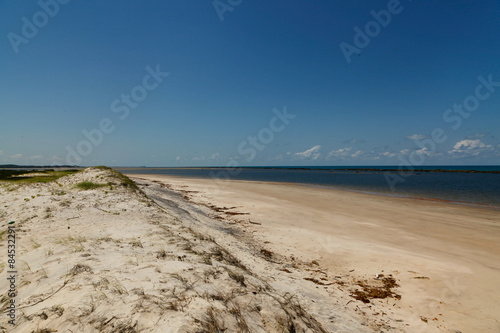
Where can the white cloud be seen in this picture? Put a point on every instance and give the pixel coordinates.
(178, 158)
(312, 153)
(423, 151)
(17, 156)
(416, 137)
(388, 154)
(470, 148)
(36, 157)
(199, 158)
(344, 153)
(357, 154)
(404, 152)
(1, 152)
(215, 156)
(339, 153)
(348, 153)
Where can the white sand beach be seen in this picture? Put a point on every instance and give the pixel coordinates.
(445, 257)
(188, 255)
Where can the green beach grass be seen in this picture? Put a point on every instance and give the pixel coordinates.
(43, 176)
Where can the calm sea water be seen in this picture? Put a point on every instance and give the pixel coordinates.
(466, 188)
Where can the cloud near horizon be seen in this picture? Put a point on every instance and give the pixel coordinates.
(311, 153)
(341, 153)
(466, 148)
(470, 148)
(215, 156)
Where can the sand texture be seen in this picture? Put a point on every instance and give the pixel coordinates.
(112, 259)
(167, 254)
(445, 258)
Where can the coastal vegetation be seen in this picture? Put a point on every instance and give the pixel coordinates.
(34, 176)
(89, 185)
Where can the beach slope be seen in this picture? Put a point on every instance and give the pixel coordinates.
(443, 257)
(94, 253)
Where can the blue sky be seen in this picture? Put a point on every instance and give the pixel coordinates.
(170, 83)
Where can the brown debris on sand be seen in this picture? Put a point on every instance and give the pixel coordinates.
(380, 288)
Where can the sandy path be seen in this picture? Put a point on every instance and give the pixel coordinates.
(445, 257)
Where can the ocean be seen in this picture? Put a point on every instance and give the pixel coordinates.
(469, 185)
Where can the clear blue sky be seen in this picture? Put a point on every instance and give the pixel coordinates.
(225, 77)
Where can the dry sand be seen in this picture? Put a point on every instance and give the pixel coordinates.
(445, 257)
(111, 259)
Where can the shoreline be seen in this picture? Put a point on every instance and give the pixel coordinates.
(306, 185)
(367, 169)
(451, 249)
(479, 189)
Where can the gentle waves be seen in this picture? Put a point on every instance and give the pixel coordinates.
(459, 187)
